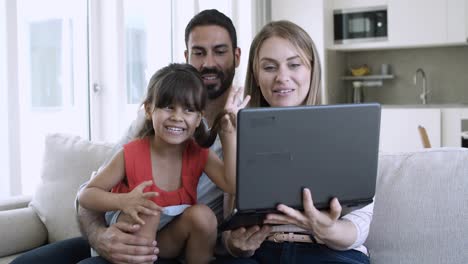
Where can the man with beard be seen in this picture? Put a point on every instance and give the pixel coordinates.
(212, 50)
(211, 43)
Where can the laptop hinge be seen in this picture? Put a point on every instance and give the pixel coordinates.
(258, 211)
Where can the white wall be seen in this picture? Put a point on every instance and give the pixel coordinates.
(11, 107)
(5, 186)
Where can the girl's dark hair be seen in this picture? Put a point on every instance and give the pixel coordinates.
(177, 83)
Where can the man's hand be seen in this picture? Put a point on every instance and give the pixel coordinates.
(137, 202)
(119, 245)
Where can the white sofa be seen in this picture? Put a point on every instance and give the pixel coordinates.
(420, 214)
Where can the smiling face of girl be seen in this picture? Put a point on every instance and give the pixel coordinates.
(283, 76)
(175, 123)
(174, 103)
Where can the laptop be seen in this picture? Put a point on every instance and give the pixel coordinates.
(330, 149)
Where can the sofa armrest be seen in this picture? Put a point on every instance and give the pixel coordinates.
(21, 230)
(15, 202)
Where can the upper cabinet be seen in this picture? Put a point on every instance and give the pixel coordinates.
(415, 23)
(457, 21)
(351, 4)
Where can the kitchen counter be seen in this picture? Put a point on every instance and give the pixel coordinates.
(444, 124)
(418, 106)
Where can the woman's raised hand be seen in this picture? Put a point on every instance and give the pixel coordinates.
(320, 223)
(137, 201)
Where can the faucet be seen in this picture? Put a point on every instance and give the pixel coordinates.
(425, 92)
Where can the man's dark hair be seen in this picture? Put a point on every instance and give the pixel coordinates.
(211, 17)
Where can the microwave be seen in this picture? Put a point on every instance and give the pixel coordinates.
(360, 25)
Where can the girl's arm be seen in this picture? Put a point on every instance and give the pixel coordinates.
(223, 174)
(225, 178)
(97, 196)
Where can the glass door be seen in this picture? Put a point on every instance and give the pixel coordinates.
(130, 40)
(52, 78)
(82, 67)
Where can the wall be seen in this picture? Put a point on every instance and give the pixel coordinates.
(446, 70)
(4, 158)
(336, 88)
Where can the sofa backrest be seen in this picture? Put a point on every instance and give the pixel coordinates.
(421, 208)
(68, 162)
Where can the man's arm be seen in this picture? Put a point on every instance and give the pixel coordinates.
(116, 243)
(90, 223)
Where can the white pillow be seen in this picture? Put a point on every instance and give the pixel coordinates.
(68, 162)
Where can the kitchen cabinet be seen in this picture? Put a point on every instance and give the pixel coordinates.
(349, 4)
(457, 21)
(415, 23)
(399, 128)
(443, 123)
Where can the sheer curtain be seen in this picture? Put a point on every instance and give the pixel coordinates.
(4, 157)
(45, 83)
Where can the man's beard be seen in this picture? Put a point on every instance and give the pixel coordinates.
(216, 90)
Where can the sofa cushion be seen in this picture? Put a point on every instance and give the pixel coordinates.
(68, 162)
(421, 208)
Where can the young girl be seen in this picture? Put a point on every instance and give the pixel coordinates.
(162, 166)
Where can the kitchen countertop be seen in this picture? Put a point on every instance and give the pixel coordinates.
(418, 106)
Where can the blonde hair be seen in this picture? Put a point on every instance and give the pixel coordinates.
(307, 51)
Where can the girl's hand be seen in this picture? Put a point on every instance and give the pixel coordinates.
(137, 202)
(234, 103)
(320, 223)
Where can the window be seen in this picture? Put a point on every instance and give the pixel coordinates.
(136, 41)
(45, 61)
(147, 44)
(52, 61)
(136, 65)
